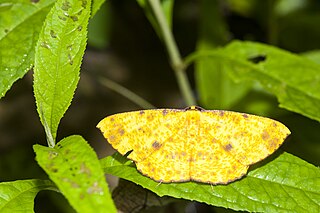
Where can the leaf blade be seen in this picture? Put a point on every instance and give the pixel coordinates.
(216, 88)
(17, 38)
(74, 167)
(258, 191)
(18, 196)
(297, 89)
(58, 57)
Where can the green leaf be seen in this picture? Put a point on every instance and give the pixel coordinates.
(293, 79)
(96, 6)
(167, 7)
(313, 55)
(20, 24)
(18, 196)
(286, 184)
(59, 53)
(74, 167)
(216, 89)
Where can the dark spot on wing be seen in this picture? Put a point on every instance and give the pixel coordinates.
(142, 112)
(274, 143)
(265, 135)
(121, 132)
(112, 138)
(140, 129)
(245, 115)
(190, 160)
(164, 112)
(228, 147)
(156, 144)
(221, 113)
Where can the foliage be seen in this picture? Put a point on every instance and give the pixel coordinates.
(265, 189)
(51, 37)
(82, 182)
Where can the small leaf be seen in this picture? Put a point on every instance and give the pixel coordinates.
(216, 88)
(59, 52)
(18, 196)
(313, 55)
(75, 169)
(285, 184)
(96, 6)
(20, 24)
(293, 79)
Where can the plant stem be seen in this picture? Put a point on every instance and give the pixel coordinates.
(126, 93)
(174, 54)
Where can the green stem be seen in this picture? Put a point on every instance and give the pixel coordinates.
(174, 54)
(50, 140)
(126, 93)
